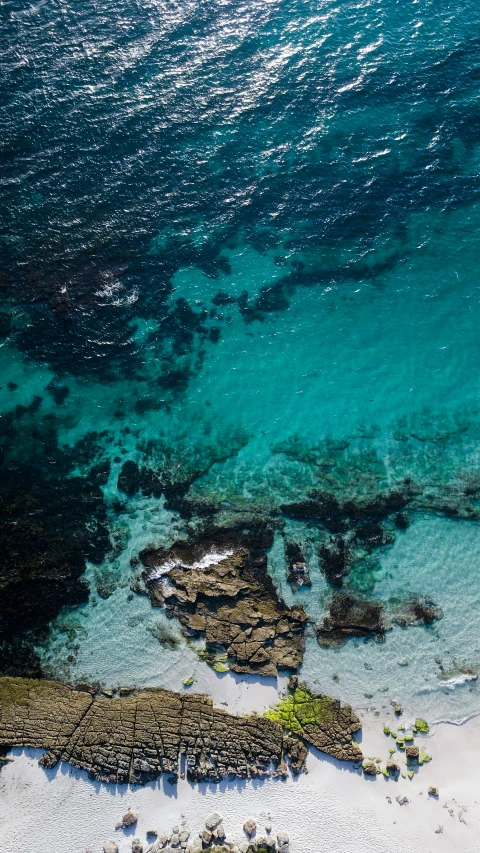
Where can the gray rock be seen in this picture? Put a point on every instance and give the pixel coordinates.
(268, 827)
(137, 846)
(206, 837)
(175, 840)
(184, 835)
(213, 820)
(220, 832)
(243, 846)
(129, 818)
(249, 827)
(110, 847)
(195, 846)
(283, 842)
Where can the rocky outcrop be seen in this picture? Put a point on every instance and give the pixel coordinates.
(138, 737)
(320, 721)
(219, 588)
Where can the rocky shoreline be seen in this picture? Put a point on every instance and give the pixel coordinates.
(136, 736)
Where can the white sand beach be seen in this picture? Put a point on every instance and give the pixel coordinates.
(332, 807)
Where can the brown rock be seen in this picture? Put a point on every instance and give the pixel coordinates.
(129, 818)
(136, 738)
(219, 587)
(249, 827)
(433, 791)
(412, 753)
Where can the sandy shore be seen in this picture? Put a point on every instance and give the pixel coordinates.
(332, 807)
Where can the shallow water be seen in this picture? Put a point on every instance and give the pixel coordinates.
(241, 242)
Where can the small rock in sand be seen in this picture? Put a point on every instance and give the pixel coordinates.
(283, 842)
(129, 818)
(433, 791)
(268, 827)
(137, 846)
(110, 847)
(402, 801)
(175, 840)
(249, 827)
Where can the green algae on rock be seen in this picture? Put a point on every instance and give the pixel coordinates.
(320, 721)
(421, 726)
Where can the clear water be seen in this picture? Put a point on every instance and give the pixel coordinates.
(319, 166)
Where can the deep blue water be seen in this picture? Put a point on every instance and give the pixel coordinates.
(240, 246)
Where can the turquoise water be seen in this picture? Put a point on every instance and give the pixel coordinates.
(240, 245)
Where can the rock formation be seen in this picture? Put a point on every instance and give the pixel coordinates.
(219, 587)
(320, 721)
(137, 737)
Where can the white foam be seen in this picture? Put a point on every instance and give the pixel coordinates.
(210, 559)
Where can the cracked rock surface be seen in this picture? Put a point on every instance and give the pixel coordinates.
(136, 738)
(220, 588)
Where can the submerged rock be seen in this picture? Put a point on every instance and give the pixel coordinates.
(416, 611)
(298, 574)
(350, 617)
(219, 587)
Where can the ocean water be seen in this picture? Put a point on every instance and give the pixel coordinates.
(240, 245)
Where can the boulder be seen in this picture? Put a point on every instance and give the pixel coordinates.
(433, 791)
(283, 842)
(219, 832)
(110, 847)
(249, 827)
(129, 818)
(412, 753)
(213, 821)
(206, 837)
(137, 846)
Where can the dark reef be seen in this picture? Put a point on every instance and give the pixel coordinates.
(51, 522)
